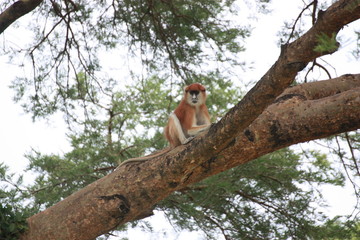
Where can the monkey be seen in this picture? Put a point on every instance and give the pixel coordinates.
(189, 118)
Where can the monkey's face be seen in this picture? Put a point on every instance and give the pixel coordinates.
(195, 97)
(195, 94)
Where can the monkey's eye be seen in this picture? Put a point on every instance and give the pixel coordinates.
(194, 92)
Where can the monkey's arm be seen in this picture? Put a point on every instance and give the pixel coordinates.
(197, 129)
(176, 129)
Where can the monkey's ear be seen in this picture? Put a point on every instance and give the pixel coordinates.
(201, 87)
(186, 88)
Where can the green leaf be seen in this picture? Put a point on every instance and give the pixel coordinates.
(326, 43)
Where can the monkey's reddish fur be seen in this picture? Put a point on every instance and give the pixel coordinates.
(188, 119)
(192, 117)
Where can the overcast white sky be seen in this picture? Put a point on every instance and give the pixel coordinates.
(19, 134)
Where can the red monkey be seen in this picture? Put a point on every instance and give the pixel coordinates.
(188, 119)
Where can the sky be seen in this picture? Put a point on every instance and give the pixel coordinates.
(19, 134)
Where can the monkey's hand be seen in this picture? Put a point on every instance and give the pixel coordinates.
(204, 128)
(198, 129)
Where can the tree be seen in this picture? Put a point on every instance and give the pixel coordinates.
(270, 116)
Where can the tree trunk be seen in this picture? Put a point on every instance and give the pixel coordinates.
(255, 126)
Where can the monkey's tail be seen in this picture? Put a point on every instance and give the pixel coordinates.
(143, 159)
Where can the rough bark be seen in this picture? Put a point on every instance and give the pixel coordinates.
(15, 11)
(252, 128)
(303, 113)
(134, 189)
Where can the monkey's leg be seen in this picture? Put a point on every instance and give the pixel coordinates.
(177, 129)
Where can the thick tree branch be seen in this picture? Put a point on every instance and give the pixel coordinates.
(135, 188)
(285, 123)
(302, 113)
(15, 11)
(293, 58)
(321, 89)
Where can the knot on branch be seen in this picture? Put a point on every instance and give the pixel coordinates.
(123, 205)
(278, 137)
